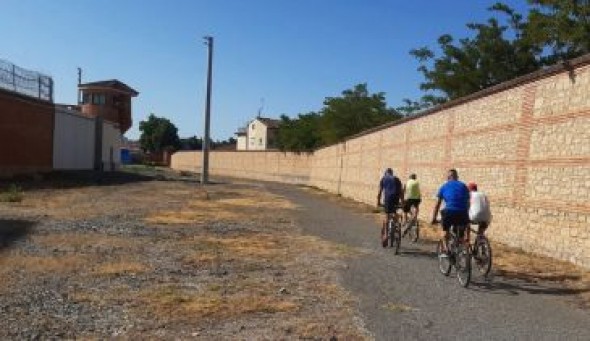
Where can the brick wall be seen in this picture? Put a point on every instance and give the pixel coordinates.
(526, 143)
(26, 134)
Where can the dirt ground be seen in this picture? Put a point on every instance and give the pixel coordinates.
(159, 256)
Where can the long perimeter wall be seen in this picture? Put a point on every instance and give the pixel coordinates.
(526, 143)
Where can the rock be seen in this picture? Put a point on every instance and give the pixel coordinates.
(283, 291)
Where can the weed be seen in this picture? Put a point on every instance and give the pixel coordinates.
(13, 194)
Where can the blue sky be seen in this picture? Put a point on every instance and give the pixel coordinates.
(292, 53)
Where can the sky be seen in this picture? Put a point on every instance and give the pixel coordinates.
(285, 56)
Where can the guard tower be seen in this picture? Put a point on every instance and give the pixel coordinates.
(109, 100)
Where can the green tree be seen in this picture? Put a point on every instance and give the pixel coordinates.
(563, 26)
(495, 53)
(553, 30)
(191, 143)
(157, 134)
(356, 110)
(301, 134)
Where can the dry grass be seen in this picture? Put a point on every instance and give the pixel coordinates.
(39, 265)
(172, 301)
(114, 295)
(95, 201)
(217, 205)
(398, 308)
(87, 241)
(121, 268)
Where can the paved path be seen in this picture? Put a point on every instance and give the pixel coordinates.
(437, 308)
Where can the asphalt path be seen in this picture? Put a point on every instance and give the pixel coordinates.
(405, 297)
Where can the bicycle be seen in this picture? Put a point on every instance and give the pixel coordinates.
(394, 231)
(412, 229)
(481, 251)
(458, 255)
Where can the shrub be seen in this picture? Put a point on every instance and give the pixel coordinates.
(13, 194)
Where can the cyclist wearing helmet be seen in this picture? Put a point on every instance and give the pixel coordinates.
(479, 208)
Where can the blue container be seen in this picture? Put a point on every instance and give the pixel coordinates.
(125, 156)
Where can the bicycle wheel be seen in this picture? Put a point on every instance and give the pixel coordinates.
(463, 265)
(444, 263)
(397, 237)
(413, 231)
(482, 254)
(390, 233)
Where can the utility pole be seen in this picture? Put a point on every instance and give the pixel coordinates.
(79, 82)
(205, 170)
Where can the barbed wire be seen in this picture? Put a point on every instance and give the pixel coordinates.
(26, 82)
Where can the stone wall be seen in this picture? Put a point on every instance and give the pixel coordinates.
(526, 143)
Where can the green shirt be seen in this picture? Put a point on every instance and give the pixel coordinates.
(412, 189)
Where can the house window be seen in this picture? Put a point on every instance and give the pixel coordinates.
(253, 126)
(86, 99)
(260, 142)
(99, 99)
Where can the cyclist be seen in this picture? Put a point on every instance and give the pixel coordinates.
(456, 197)
(412, 196)
(479, 208)
(390, 189)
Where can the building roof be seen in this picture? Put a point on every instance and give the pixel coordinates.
(242, 131)
(113, 84)
(269, 122)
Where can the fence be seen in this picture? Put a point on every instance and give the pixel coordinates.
(25, 82)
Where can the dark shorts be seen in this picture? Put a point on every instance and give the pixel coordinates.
(454, 218)
(411, 202)
(390, 204)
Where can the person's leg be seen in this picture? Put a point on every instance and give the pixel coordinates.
(482, 228)
(446, 225)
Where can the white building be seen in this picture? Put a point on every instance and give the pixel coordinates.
(259, 134)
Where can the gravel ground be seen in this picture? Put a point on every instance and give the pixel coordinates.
(129, 257)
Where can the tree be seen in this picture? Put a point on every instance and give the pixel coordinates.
(553, 30)
(157, 134)
(230, 142)
(356, 110)
(301, 134)
(562, 26)
(486, 59)
(191, 143)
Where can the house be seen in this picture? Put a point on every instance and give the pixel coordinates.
(260, 134)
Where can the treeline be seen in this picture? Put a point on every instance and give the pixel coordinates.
(159, 134)
(356, 110)
(506, 46)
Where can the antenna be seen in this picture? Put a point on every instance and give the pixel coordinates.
(261, 107)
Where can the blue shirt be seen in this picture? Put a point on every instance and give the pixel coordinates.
(390, 185)
(456, 196)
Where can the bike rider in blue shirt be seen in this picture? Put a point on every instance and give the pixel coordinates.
(456, 197)
(391, 188)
